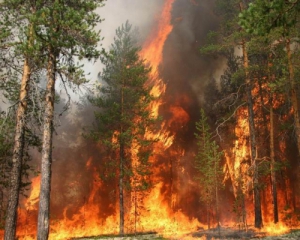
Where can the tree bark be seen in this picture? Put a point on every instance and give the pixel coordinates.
(121, 191)
(208, 215)
(44, 203)
(122, 157)
(273, 173)
(293, 90)
(13, 198)
(217, 197)
(271, 78)
(257, 203)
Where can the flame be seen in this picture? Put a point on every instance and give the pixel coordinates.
(152, 51)
(162, 219)
(153, 48)
(275, 229)
(158, 215)
(34, 194)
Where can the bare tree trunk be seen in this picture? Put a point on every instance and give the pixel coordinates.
(13, 198)
(122, 158)
(244, 213)
(208, 215)
(272, 150)
(217, 197)
(44, 203)
(294, 98)
(121, 191)
(273, 173)
(257, 202)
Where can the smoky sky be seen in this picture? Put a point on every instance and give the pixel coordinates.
(141, 14)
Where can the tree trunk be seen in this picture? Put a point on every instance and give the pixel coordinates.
(272, 149)
(122, 158)
(13, 198)
(294, 98)
(208, 216)
(121, 191)
(44, 203)
(257, 204)
(217, 196)
(217, 203)
(273, 173)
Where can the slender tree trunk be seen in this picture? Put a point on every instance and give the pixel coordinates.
(13, 198)
(44, 203)
(217, 196)
(257, 202)
(242, 201)
(208, 216)
(273, 173)
(272, 149)
(121, 191)
(122, 158)
(244, 213)
(217, 201)
(294, 98)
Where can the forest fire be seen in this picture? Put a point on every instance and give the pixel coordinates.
(157, 214)
(173, 207)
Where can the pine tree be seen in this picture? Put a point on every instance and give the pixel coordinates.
(124, 115)
(66, 32)
(13, 50)
(208, 164)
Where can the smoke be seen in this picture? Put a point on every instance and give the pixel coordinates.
(141, 14)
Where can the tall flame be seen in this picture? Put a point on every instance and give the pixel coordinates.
(160, 217)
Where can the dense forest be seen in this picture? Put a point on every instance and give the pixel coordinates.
(192, 123)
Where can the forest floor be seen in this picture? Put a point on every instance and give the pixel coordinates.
(231, 234)
(212, 234)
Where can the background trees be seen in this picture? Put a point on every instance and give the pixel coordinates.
(264, 45)
(124, 116)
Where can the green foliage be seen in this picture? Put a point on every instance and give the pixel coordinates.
(6, 144)
(208, 160)
(262, 16)
(30, 29)
(124, 116)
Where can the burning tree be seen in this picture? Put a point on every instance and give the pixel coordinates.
(208, 162)
(59, 31)
(125, 116)
(20, 61)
